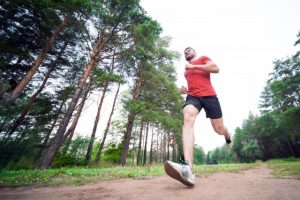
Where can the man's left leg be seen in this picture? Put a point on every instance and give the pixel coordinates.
(214, 112)
(219, 128)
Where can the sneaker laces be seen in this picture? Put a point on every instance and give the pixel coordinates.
(182, 161)
(186, 170)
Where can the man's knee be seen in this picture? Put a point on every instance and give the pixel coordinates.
(188, 120)
(189, 117)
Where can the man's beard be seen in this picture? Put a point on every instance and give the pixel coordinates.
(189, 57)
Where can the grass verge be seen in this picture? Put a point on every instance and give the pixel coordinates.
(77, 176)
(83, 175)
(286, 168)
(203, 170)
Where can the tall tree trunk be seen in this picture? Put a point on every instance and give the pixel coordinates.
(91, 143)
(174, 152)
(164, 152)
(127, 137)
(133, 152)
(145, 149)
(25, 111)
(290, 147)
(90, 147)
(151, 146)
(139, 158)
(162, 147)
(157, 145)
(107, 125)
(168, 146)
(44, 144)
(54, 146)
(35, 65)
(264, 150)
(130, 121)
(69, 134)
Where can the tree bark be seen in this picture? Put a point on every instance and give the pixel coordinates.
(127, 135)
(91, 143)
(43, 146)
(264, 150)
(174, 152)
(145, 148)
(107, 125)
(151, 146)
(35, 65)
(168, 146)
(127, 138)
(157, 145)
(139, 158)
(90, 147)
(164, 143)
(21, 117)
(69, 134)
(62, 128)
(290, 147)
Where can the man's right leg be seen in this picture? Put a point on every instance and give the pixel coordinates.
(188, 137)
(183, 172)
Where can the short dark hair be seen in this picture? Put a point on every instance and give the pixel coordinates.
(187, 48)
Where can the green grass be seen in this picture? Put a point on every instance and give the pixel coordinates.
(73, 175)
(83, 175)
(285, 168)
(201, 170)
(282, 168)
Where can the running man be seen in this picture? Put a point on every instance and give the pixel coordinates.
(200, 94)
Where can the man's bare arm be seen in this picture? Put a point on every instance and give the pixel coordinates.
(209, 67)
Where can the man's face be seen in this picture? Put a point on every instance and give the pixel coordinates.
(189, 54)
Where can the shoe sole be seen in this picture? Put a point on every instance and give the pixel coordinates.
(176, 175)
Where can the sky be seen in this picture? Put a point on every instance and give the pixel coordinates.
(243, 37)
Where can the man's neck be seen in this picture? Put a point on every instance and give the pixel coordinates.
(193, 59)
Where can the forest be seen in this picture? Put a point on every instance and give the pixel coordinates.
(57, 56)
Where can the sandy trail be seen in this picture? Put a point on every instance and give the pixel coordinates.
(252, 184)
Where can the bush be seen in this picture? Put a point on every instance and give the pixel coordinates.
(67, 160)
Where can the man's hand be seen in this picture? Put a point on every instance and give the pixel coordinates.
(183, 90)
(189, 66)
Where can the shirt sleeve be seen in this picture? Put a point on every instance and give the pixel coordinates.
(204, 60)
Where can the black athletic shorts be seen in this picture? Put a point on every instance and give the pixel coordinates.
(210, 104)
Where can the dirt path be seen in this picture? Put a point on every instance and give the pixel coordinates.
(254, 184)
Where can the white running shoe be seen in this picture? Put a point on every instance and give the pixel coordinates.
(180, 172)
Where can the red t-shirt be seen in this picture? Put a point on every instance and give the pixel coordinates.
(198, 81)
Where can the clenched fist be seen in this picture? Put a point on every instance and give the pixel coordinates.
(183, 90)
